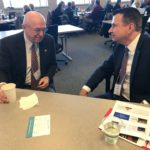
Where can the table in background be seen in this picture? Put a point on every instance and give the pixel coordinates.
(64, 30)
(4, 34)
(74, 124)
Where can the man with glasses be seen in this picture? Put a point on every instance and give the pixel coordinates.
(28, 58)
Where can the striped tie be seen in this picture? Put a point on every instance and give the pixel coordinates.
(34, 67)
(122, 72)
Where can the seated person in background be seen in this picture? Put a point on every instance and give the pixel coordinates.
(109, 7)
(28, 58)
(58, 13)
(31, 7)
(136, 4)
(91, 6)
(73, 6)
(69, 13)
(131, 74)
(26, 9)
(94, 15)
(118, 5)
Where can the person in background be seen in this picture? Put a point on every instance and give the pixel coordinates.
(91, 6)
(129, 63)
(58, 13)
(118, 5)
(95, 12)
(26, 9)
(69, 12)
(28, 58)
(73, 6)
(136, 4)
(31, 7)
(109, 7)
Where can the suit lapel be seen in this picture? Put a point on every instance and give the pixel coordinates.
(135, 59)
(21, 49)
(42, 51)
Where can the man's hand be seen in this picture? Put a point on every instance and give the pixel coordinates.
(43, 83)
(3, 97)
(83, 92)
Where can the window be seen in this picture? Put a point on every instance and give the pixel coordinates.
(76, 1)
(21, 3)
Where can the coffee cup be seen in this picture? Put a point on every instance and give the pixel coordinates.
(10, 91)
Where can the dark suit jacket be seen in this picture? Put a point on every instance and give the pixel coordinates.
(140, 70)
(13, 59)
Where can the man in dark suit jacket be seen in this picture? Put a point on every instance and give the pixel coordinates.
(15, 55)
(126, 30)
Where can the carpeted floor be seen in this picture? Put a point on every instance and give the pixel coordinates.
(88, 52)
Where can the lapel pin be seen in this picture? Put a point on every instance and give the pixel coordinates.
(45, 50)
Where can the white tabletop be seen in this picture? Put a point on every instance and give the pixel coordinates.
(7, 21)
(74, 124)
(68, 29)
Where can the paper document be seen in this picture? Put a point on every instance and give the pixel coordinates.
(134, 120)
(38, 126)
(28, 102)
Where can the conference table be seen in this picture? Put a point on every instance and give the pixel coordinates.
(64, 30)
(5, 21)
(74, 123)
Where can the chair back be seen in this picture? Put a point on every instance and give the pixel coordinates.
(49, 19)
(12, 15)
(99, 16)
(53, 30)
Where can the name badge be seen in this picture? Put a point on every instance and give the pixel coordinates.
(117, 89)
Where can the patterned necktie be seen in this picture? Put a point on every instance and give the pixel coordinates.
(34, 67)
(122, 72)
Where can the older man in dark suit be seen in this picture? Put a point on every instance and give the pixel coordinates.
(28, 58)
(129, 63)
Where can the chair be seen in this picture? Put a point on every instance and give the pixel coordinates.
(96, 23)
(12, 15)
(53, 30)
(49, 19)
(144, 22)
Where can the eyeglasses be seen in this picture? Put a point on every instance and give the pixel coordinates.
(38, 30)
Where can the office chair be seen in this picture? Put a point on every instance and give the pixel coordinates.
(95, 25)
(12, 15)
(144, 22)
(53, 30)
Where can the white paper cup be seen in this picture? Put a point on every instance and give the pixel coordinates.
(111, 131)
(10, 91)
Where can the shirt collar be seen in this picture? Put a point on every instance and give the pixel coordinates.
(28, 42)
(132, 46)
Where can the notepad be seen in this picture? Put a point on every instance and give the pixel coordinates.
(38, 126)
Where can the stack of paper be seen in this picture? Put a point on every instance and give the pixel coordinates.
(28, 102)
(134, 122)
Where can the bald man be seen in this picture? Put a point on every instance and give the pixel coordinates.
(16, 53)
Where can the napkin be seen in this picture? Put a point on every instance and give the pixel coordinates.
(28, 102)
